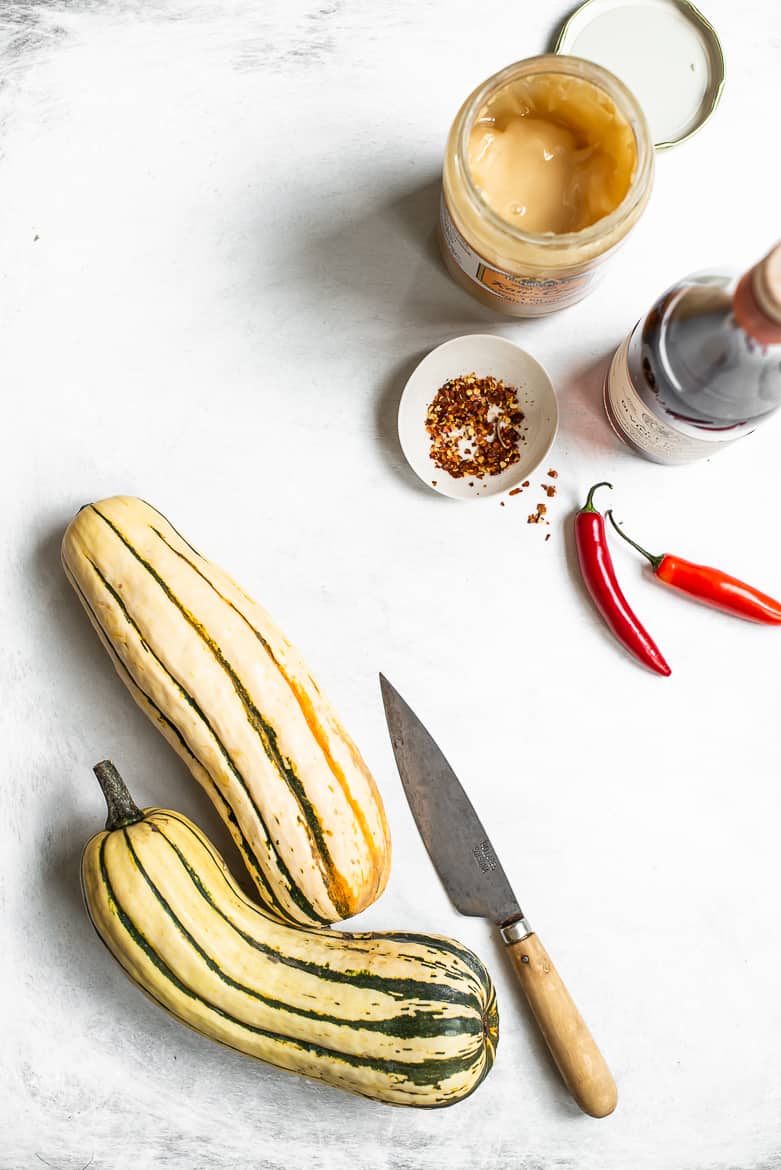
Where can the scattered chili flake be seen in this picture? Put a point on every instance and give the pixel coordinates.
(433, 483)
(538, 517)
(474, 426)
(549, 490)
(547, 535)
(514, 492)
(552, 473)
(525, 483)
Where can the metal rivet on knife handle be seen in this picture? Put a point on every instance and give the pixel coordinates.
(578, 1059)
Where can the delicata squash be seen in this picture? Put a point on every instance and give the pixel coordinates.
(405, 1018)
(237, 702)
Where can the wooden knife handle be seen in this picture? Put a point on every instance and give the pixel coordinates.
(571, 1045)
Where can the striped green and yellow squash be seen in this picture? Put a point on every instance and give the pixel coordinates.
(405, 1018)
(238, 704)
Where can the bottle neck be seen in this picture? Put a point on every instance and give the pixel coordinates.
(751, 315)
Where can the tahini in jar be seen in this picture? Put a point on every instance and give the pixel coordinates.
(548, 166)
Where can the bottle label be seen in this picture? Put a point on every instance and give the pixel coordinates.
(553, 293)
(638, 423)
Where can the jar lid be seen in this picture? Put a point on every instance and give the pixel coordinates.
(665, 51)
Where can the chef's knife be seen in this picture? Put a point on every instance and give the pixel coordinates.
(471, 873)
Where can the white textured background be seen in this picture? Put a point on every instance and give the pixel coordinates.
(217, 267)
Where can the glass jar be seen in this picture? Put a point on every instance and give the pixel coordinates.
(532, 273)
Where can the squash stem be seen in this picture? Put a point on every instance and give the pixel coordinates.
(122, 809)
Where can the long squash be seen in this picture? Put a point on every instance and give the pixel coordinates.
(405, 1018)
(238, 704)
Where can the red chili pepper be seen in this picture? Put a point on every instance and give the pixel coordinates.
(596, 565)
(711, 585)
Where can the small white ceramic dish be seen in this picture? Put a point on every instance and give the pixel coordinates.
(486, 356)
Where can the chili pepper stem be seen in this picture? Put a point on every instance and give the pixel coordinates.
(589, 504)
(654, 560)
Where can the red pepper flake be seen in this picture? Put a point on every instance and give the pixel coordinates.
(433, 483)
(538, 517)
(515, 492)
(549, 489)
(525, 483)
(547, 535)
(552, 473)
(474, 425)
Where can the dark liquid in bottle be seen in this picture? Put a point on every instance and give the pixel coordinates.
(692, 355)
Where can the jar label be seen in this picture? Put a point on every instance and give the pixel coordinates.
(637, 424)
(553, 293)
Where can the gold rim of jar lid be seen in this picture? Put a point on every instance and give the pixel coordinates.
(665, 51)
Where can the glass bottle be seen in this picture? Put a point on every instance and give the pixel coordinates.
(702, 368)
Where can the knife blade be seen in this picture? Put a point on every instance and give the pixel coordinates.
(463, 856)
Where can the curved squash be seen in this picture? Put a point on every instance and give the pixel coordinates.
(405, 1018)
(238, 704)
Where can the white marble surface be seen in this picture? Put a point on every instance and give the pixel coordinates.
(217, 268)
